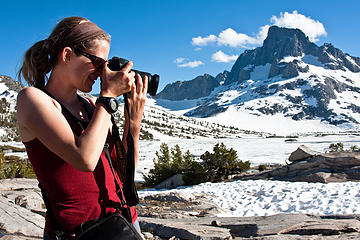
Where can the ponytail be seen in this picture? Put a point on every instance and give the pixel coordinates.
(36, 64)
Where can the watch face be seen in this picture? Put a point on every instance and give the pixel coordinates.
(113, 104)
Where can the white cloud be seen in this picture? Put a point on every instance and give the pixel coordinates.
(233, 39)
(262, 34)
(312, 28)
(203, 41)
(179, 60)
(220, 56)
(192, 64)
(229, 37)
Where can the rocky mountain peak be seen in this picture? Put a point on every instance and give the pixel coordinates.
(282, 42)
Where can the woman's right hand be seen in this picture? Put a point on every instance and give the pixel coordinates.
(116, 83)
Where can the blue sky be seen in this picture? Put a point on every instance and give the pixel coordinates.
(179, 40)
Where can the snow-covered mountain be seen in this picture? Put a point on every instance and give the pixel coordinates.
(158, 123)
(287, 83)
(8, 94)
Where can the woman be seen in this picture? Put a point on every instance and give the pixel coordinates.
(67, 157)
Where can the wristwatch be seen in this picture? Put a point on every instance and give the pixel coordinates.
(111, 104)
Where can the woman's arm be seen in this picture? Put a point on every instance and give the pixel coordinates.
(39, 116)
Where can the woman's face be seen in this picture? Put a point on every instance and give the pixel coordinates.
(84, 70)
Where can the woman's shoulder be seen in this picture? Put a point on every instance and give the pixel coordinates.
(28, 93)
(31, 98)
(31, 102)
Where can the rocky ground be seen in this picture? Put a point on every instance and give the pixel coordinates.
(193, 216)
(175, 216)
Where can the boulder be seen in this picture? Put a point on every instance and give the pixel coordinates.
(321, 177)
(301, 153)
(19, 220)
(323, 168)
(21, 209)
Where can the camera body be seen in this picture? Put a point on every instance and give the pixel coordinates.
(116, 64)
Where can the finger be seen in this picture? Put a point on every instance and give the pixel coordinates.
(132, 75)
(105, 69)
(104, 73)
(146, 84)
(139, 85)
(133, 90)
(127, 67)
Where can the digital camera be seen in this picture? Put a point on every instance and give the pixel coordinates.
(116, 64)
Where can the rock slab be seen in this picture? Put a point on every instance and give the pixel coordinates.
(323, 168)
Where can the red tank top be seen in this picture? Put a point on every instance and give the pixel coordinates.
(74, 196)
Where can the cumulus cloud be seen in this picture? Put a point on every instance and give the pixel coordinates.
(262, 34)
(229, 37)
(192, 64)
(220, 56)
(203, 41)
(312, 28)
(233, 39)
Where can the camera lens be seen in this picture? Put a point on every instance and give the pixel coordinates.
(116, 64)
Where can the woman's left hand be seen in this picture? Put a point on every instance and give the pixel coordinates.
(137, 99)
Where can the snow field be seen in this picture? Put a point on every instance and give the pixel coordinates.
(262, 198)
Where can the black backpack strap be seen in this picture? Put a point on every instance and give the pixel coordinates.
(89, 108)
(125, 211)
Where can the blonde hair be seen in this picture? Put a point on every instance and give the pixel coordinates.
(41, 58)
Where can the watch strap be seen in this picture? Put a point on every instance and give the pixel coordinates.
(107, 103)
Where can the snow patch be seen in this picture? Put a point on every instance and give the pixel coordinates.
(260, 72)
(3, 87)
(180, 107)
(288, 59)
(312, 60)
(277, 124)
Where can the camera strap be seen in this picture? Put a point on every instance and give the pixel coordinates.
(126, 159)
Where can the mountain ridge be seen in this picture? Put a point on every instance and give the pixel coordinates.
(291, 76)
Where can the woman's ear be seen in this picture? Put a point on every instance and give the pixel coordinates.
(66, 55)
